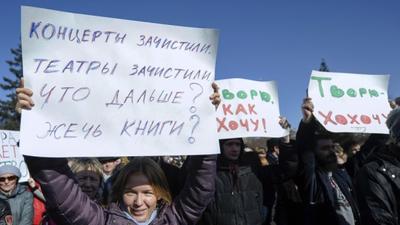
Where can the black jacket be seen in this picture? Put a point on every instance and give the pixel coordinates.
(378, 188)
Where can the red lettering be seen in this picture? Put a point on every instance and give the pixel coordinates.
(255, 123)
(341, 119)
(365, 119)
(251, 109)
(233, 125)
(240, 109)
(353, 119)
(327, 117)
(376, 117)
(227, 109)
(221, 124)
(245, 124)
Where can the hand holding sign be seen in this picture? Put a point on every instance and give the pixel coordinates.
(24, 97)
(215, 97)
(307, 109)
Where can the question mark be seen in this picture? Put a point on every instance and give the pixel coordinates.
(191, 139)
(193, 108)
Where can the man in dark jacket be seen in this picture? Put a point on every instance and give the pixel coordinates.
(326, 189)
(238, 197)
(378, 182)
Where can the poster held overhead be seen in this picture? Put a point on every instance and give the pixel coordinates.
(248, 109)
(112, 87)
(354, 103)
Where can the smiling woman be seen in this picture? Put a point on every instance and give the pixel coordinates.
(140, 193)
(144, 187)
(18, 196)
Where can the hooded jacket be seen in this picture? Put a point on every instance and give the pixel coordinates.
(239, 194)
(21, 203)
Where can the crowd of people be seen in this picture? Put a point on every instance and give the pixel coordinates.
(313, 178)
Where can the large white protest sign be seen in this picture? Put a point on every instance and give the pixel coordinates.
(112, 87)
(10, 153)
(350, 102)
(248, 109)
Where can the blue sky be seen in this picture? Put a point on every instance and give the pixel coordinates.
(260, 40)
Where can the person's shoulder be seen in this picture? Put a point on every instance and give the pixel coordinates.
(23, 189)
(375, 171)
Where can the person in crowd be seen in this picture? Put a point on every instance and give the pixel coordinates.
(140, 193)
(269, 189)
(239, 193)
(273, 151)
(88, 173)
(357, 151)
(175, 171)
(262, 155)
(110, 166)
(326, 190)
(289, 205)
(397, 102)
(394, 103)
(17, 195)
(378, 182)
(39, 207)
(5, 213)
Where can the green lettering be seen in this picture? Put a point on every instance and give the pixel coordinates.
(362, 91)
(320, 79)
(336, 92)
(253, 93)
(241, 95)
(265, 96)
(373, 93)
(351, 92)
(227, 94)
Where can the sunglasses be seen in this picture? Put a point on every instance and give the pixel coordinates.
(10, 178)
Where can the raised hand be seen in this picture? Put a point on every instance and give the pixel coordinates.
(215, 97)
(307, 109)
(24, 100)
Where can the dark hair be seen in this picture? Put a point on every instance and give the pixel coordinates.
(271, 143)
(322, 136)
(222, 141)
(148, 168)
(397, 101)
